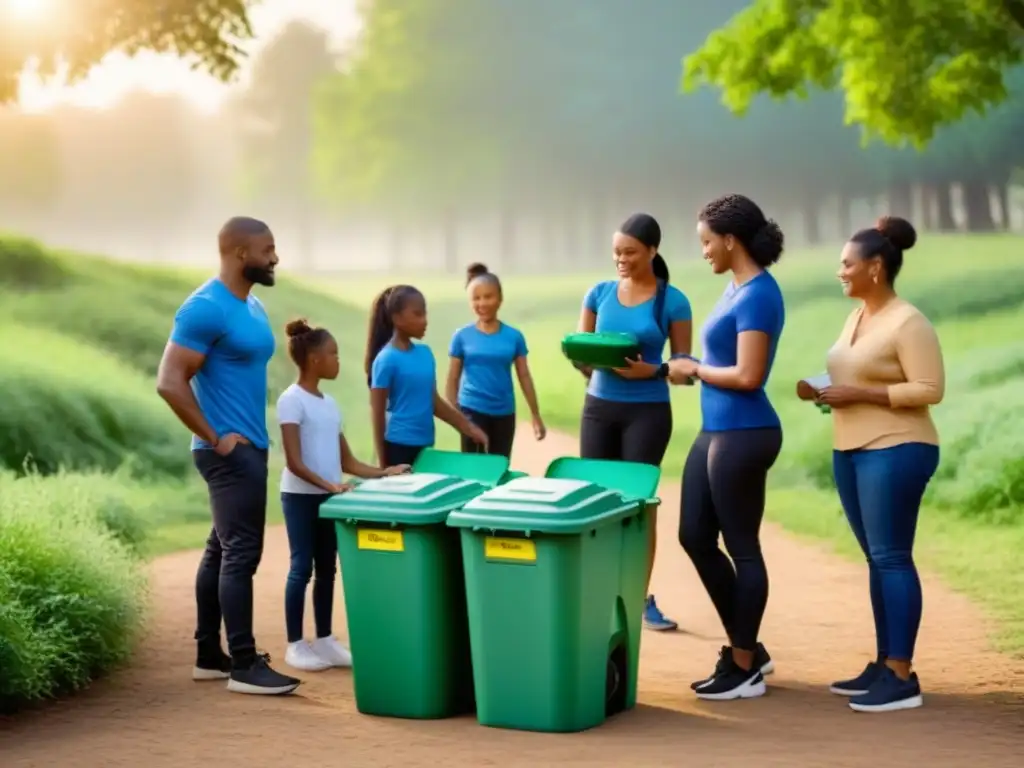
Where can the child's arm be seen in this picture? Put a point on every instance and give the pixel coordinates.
(352, 466)
(451, 389)
(293, 459)
(378, 410)
(530, 393)
(451, 415)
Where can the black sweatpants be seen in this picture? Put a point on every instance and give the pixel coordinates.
(237, 484)
(625, 431)
(724, 482)
(500, 431)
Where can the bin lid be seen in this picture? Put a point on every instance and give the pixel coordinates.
(486, 468)
(419, 498)
(630, 478)
(543, 505)
(604, 349)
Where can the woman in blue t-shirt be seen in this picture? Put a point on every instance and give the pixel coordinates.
(726, 472)
(480, 370)
(403, 382)
(627, 415)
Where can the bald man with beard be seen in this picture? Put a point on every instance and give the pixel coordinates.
(213, 375)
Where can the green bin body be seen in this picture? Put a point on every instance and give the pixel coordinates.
(636, 482)
(547, 617)
(405, 595)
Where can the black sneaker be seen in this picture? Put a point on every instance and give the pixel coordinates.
(260, 679)
(860, 684)
(733, 683)
(761, 660)
(212, 666)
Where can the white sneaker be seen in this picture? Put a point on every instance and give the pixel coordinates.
(332, 652)
(301, 656)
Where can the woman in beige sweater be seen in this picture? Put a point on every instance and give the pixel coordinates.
(885, 371)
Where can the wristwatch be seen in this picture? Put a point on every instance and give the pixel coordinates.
(662, 372)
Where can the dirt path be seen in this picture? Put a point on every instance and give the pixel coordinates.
(817, 628)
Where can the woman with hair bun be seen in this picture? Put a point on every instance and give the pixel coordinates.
(482, 356)
(885, 371)
(726, 472)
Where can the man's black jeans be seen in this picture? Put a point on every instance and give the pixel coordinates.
(238, 499)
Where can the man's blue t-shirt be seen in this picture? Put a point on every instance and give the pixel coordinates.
(613, 317)
(410, 377)
(236, 337)
(487, 358)
(757, 305)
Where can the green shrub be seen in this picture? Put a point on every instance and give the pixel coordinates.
(72, 596)
(26, 264)
(64, 404)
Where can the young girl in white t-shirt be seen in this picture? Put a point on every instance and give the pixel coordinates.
(316, 455)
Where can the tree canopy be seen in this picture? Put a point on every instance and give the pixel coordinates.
(206, 32)
(906, 67)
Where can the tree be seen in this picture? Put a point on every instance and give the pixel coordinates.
(906, 67)
(208, 32)
(273, 118)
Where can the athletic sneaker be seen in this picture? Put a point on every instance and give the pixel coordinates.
(655, 619)
(332, 652)
(859, 685)
(761, 660)
(260, 679)
(733, 683)
(300, 655)
(888, 693)
(215, 666)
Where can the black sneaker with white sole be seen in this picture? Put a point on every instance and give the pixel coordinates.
(215, 665)
(762, 661)
(260, 679)
(733, 683)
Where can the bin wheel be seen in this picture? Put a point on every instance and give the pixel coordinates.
(614, 680)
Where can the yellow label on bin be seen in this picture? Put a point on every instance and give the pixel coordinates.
(519, 550)
(382, 541)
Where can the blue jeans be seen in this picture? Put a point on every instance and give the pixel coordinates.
(314, 549)
(881, 492)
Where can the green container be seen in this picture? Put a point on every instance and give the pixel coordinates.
(485, 468)
(547, 617)
(405, 596)
(601, 350)
(512, 474)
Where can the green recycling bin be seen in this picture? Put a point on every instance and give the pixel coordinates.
(404, 594)
(547, 617)
(486, 468)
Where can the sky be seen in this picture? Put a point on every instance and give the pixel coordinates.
(117, 74)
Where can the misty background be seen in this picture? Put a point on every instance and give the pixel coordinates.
(536, 127)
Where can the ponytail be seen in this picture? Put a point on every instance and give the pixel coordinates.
(660, 267)
(381, 329)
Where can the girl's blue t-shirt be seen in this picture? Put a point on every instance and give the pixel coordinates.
(487, 359)
(613, 317)
(757, 305)
(410, 377)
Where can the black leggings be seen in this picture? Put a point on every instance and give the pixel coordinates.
(500, 430)
(724, 483)
(397, 453)
(625, 431)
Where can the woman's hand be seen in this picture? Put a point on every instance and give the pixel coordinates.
(398, 469)
(840, 396)
(637, 369)
(682, 369)
(477, 435)
(539, 430)
(342, 487)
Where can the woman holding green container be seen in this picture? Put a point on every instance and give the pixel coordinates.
(627, 415)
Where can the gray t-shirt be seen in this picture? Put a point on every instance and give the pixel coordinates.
(319, 423)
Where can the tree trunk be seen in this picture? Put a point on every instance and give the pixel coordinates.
(928, 199)
(978, 207)
(809, 210)
(943, 192)
(450, 241)
(844, 216)
(901, 201)
(1003, 191)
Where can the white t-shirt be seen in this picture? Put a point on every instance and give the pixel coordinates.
(319, 423)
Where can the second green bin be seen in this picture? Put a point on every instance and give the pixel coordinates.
(546, 609)
(404, 594)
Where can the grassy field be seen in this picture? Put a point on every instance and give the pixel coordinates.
(80, 339)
